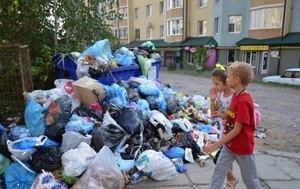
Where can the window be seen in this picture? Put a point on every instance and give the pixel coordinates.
(123, 11)
(161, 7)
(149, 10)
(202, 27)
(217, 25)
(124, 33)
(172, 4)
(161, 29)
(115, 32)
(137, 34)
(266, 18)
(175, 27)
(137, 13)
(250, 57)
(189, 58)
(235, 24)
(149, 32)
(202, 3)
(230, 56)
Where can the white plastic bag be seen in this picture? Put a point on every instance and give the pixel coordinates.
(71, 139)
(46, 180)
(102, 173)
(75, 161)
(156, 165)
(159, 120)
(14, 147)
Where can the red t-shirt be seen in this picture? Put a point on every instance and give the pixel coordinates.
(241, 110)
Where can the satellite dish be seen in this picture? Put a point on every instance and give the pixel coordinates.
(150, 25)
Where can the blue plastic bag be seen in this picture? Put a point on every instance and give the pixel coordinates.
(100, 49)
(18, 132)
(18, 177)
(35, 118)
(117, 95)
(78, 124)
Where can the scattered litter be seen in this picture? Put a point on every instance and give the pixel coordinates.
(261, 129)
(260, 135)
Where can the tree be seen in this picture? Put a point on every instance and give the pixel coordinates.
(79, 25)
(200, 58)
(85, 22)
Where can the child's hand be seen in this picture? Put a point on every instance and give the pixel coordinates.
(216, 114)
(210, 148)
(213, 94)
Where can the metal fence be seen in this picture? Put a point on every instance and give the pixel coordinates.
(15, 78)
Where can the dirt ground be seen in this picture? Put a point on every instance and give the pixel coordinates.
(279, 107)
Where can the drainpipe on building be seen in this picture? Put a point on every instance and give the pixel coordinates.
(282, 31)
(184, 18)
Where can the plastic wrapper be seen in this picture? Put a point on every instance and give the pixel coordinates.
(103, 172)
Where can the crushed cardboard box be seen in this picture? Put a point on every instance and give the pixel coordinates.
(88, 90)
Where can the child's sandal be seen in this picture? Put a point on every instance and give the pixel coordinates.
(232, 184)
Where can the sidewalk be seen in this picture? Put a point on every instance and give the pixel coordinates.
(276, 170)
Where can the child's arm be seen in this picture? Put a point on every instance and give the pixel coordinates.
(219, 114)
(236, 130)
(213, 96)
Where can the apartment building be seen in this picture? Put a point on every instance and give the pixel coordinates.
(264, 33)
(273, 42)
(172, 25)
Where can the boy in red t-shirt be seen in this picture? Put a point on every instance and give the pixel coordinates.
(239, 131)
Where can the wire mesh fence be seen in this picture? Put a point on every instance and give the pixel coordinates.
(15, 78)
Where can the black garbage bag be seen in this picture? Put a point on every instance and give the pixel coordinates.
(59, 111)
(176, 128)
(3, 143)
(55, 131)
(84, 111)
(150, 131)
(46, 158)
(133, 84)
(129, 121)
(173, 104)
(134, 144)
(109, 135)
(132, 94)
(2, 182)
(185, 140)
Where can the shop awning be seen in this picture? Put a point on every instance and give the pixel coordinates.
(192, 41)
(292, 39)
(200, 41)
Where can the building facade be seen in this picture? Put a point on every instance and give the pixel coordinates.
(264, 33)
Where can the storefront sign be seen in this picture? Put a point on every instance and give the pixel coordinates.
(254, 48)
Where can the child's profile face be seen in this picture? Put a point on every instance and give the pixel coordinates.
(218, 84)
(231, 79)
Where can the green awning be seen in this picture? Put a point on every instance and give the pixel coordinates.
(192, 41)
(200, 41)
(292, 39)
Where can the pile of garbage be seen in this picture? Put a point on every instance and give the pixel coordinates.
(137, 127)
(99, 61)
(87, 134)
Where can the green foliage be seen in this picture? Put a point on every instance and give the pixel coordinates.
(51, 26)
(43, 70)
(83, 24)
(200, 57)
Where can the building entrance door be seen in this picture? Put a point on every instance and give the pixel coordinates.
(264, 63)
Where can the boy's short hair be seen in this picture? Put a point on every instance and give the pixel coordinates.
(242, 70)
